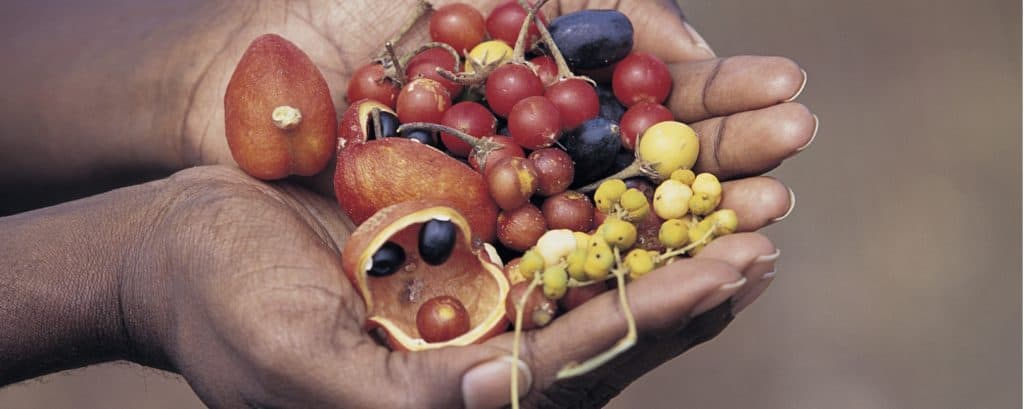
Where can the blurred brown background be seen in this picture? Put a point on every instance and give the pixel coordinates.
(900, 280)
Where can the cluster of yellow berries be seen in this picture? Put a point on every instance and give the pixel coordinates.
(687, 203)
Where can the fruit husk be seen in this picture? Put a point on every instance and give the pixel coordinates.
(392, 302)
(379, 173)
(273, 72)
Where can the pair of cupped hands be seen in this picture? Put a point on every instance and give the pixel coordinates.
(258, 313)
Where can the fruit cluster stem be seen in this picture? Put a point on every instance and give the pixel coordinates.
(639, 167)
(517, 339)
(575, 369)
(682, 250)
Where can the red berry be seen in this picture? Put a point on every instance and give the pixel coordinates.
(519, 229)
(569, 210)
(641, 77)
(426, 63)
(534, 123)
(547, 70)
(509, 148)
(422, 100)
(506, 20)
(555, 170)
(469, 117)
(638, 118)
(511, 182)
(576, 100)
(441, 319)
(510, 84)
(368, 82)
(458, 25)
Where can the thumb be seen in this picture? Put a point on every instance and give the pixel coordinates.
(474, 377)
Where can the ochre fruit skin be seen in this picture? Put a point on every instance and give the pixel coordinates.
(274, 72)
(373, 175)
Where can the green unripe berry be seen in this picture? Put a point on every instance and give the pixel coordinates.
(639, 262)
(683, 175)
(674, 233)
(707, 183)
(671, 199)
(531, 263)
(635, 204)
(699, 236)
(608, 194)
(555, 282)
(618, 233)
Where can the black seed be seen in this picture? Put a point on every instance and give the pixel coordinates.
(437, 240)
(387, 260)
(388, 126)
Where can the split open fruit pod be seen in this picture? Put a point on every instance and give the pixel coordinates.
(414, 252)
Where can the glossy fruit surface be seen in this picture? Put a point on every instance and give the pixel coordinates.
(373, 175)
(437, 241)
(441, 319)
(569, 210)
(393, 302)
(641, 77)
(576, 100)
(458, 25)
(593, 146)
(428, 69)
(369, 82)
(546, 69)
(519, 229)
(510, 84)
(469, 117)
(611, 108)
(505, 21)
(279, 116)
(511, 182)
(638, 118)
(366, 120)
(592, 38)
(535, 123)
(423, 100)
(555, 170)
(506, 148)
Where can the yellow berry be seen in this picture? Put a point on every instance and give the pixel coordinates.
(639, 262)
(582, 239)
(531, 263)
(668, 146)
(600, 259)
(671, 199)
(574, 264)
(683, 175)
(707, 183)
(724, 220)
(674, 233)
(700, 236)
(608, 194)
(635, 204)
(703, 203)
(486, 53)
(555, 282)
(618, 233)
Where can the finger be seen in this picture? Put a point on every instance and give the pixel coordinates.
(751, 253)
(725, 86)
(757, 201)
(664, 300)
(754, 142)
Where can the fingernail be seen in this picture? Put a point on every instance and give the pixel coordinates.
(769, 275)
(813, 135)
(486, 386)
(792, 204)
(768, 257)
(698, 40)
(801, 90)
(718, 297)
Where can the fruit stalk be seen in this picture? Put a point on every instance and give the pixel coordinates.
(481, 147)
(516, 339)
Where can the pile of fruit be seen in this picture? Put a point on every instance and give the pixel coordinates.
(492, 182)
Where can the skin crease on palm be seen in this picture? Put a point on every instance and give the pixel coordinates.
(245, 297)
